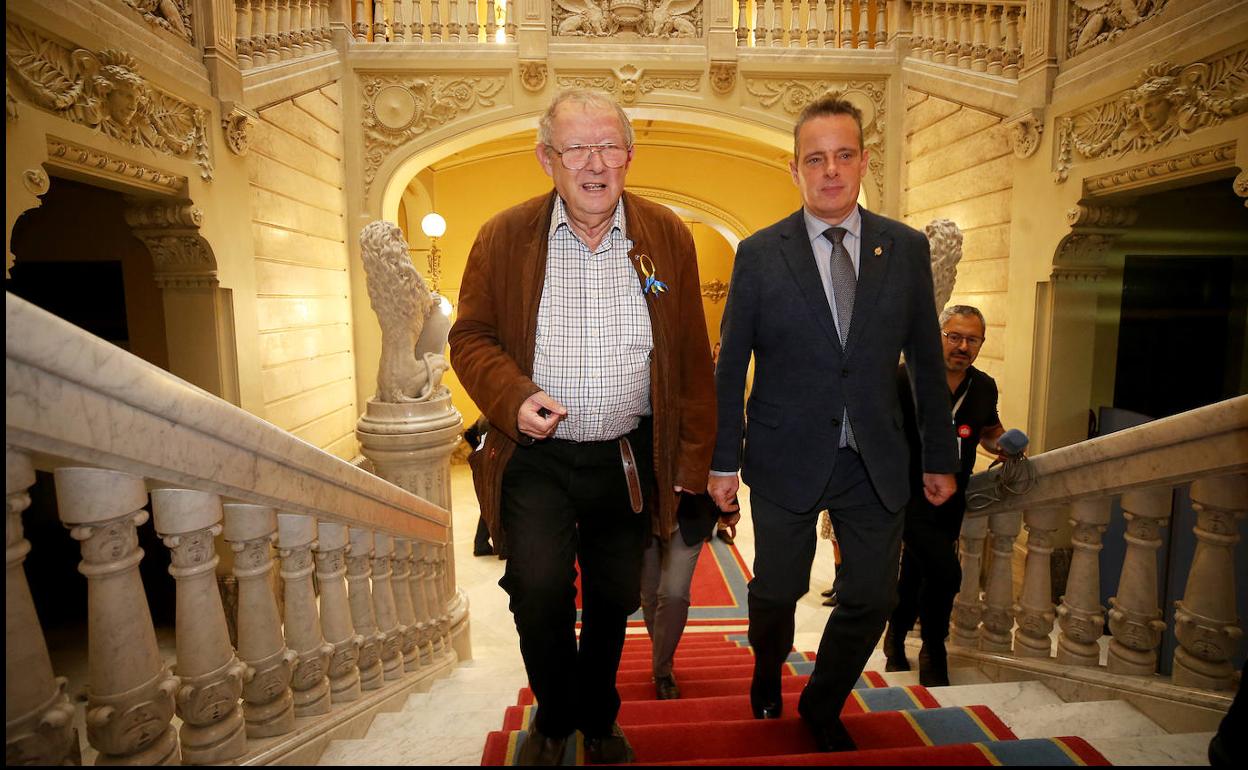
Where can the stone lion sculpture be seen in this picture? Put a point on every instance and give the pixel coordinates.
(411, 365)
(946, 241)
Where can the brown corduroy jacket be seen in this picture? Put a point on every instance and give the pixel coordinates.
(494, 336)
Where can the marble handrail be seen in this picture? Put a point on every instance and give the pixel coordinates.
(71, 397)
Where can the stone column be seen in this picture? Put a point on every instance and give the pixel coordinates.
(384, 608)
(38, 718)
(296, 536)
(1081, 615)
(1204, 619)
(410, 444)
(131, 700)
(994, 634)
(212, 677)
(268, 705)
(339, 632)
(359, 570)
(401, 564)
(968, 608)
(1134, 617)
(1034, 610)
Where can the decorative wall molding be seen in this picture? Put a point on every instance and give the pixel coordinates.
(398, 108)
(1240, 186)
(237, 123)
(629, 83)
(1078, 274)
(1093, 22)
(791, 94)
(713, 213)
(1088, 215)
(1095, 228)
(171, 15)
(723, 76)
(533, 75)
(716, 291)
(105, 91)
(1168, 102)
(181, 257)
(36, 181)
(626, 18)
(1178, 166)
(1025, 129)
(97, 163)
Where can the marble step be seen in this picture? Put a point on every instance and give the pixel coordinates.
(416, 748)
(958, 675)
(1001, 697)
(1167, 750)
(435, 722)
(458, 700)
(1088, 719)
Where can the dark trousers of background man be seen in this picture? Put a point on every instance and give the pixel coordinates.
(784, 547)
(930, 572)
(564, 501)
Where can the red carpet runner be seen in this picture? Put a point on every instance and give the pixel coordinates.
(711, 724)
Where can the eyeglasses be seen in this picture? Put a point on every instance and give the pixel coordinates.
(956, 340)
(576, 157)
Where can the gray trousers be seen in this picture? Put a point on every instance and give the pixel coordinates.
(666, 576)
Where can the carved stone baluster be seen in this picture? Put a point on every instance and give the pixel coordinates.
(937, 22)
(491, 22)
(417, 27)
(268, 705)
(776, 20)
(795, 24)
(881, 23)
(473, 27)
(1081, 615)
(432, 599)
(847, 23)
(968, 608)
(336, 625)
(381, 27)
(254, 30)
(828, 18)
(38, 717)
(743, 30)
(359, 28)
(965, 35)
(400, 581)
(400, 29)
(359, 570)
(272, 40)
(452, 21)
(979, 47)
(435, 20)
(923, 31)
(284, 29)
(812, 24)
(994, 39)
(307, 32)
(296, 537)
(1034, 609)
(864, 25)
(1013, 55)
(1134, 617)
(242, 33)
(445, 591)
(384, 608)
(131, 693)
(420, 604)
(1204, 619)
(761, 14)
(323, 36)
(211, 676)
(994, 634)
(953, 27)
(511, 21)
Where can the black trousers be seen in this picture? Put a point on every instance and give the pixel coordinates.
(930, 572)
(566, 502)
(784, 545)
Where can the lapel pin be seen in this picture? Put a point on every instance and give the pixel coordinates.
(879, 251)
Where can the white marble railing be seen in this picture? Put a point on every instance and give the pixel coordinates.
(433, 21)
(1205, 450)
(970, 34)
(812, 23)
(124, 438)
(273, 31)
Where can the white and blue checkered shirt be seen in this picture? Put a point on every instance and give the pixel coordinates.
(593, 333)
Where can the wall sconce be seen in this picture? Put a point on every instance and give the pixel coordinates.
(434, 226)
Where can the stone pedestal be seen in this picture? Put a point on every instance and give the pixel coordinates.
(410, 444)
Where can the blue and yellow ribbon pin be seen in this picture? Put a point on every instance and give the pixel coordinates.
(652, 284)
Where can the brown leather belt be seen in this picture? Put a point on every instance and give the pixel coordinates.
(630, 474)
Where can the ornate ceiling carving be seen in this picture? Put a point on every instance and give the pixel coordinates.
(104, 90)
(626, 18)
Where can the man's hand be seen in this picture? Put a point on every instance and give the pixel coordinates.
(723, 490)
(539, 415)
(939, 487)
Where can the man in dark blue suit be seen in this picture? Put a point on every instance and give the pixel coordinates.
(826, 300)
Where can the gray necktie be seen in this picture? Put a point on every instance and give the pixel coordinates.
(844, 285)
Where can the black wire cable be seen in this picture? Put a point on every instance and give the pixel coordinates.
(1016, 478)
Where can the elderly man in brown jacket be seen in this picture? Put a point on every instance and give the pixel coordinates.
(581, 337)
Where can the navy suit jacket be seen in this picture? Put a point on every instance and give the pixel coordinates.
(804, 380)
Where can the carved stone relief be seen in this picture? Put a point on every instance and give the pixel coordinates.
(716, 291)
(533, 75)
(1240, 186)
(173, 15)
(1202, 160)
(398, 108)
(1092, 22)
(97, 163)
(626, 18)
(629, 83)
(1025, 129)
(1169, 102)
(237, 123)
(36, 181)
(792, 94)
(105, 91)
(181, 257)
(945, 238)
(1095, 229)
(723, 76)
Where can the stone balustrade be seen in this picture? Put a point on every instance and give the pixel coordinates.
(273, 31)
(1202, 450)
(433, 21)
(812, 23)
(124, 438)
(970, 34)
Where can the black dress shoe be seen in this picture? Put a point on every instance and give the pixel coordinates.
(895, 651)
(765, 700)
(933, 665)
(831, 600)
(665, 688)
(827, 593)
(539, 749)
(613, 749)
(831, 736)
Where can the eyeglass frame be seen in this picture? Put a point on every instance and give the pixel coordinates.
(593, 148)
(957, 339)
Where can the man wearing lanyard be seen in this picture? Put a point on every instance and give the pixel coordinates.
(930, 573)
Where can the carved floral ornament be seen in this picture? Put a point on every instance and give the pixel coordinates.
(398, 108)
(1169, 102)
(626, 18)
(1092, 22)
(533, 75)
(105, 91)
(629, 82)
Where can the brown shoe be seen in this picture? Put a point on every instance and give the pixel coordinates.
(538, 749)
(612, 749)
(665, 688)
